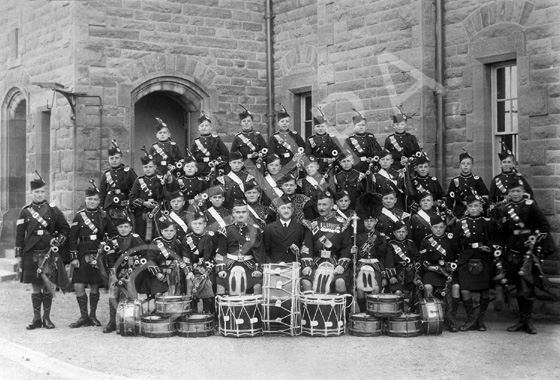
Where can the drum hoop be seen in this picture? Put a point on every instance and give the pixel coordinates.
(197, 318)
(406, 317)
(243, 300)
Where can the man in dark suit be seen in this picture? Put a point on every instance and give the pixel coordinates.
(285, 238)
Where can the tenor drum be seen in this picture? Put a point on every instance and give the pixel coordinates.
(173, 306)
(155, 326)
(431, 311)
(406, 325)
(129, 313)
(322, 314)
(240, 316)
(280, 281)
(362, 324)
(196, 325)
(384, 305)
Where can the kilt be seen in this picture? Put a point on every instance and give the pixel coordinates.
(30, 264)
(86, 273)
(474, 282)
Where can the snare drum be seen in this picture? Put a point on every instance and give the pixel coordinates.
(240, 316)
(196, 325)
(322, 314)
(431, 311)
(384, 305)
(129, 313)
(155, 326)
(362, 324)
(407, 325)
(173, 306)
(280, 281)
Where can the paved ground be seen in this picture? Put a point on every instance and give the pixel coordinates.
(86, 353)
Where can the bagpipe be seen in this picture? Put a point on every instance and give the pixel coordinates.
(531, 272)
(98, 259)
(261, 156)
(50, 268)
(216, 169)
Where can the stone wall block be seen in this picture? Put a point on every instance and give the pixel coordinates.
(533, 100)
(532, 152)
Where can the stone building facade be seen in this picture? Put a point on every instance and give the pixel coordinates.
(124, 62)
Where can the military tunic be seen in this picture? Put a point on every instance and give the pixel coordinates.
(285, 145)
(207, 148)
(474, 264)
(332, 242)
(36, 226)
(114, 188)
(234, 186)
(498, 186)
(365, 147)
(352, 181)
(427, 184)
(404, 256)
(433, 250)
(218, 218)
(166, 155)
(88, 229)
(389, 217)
(248, 143)
(459, 188)
(144, 189)
(322, 148)
(401, 145)
(390, 179)
(240, 245)
(420, 226)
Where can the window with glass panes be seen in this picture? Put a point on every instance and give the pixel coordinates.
(504, 109)
(306, 104)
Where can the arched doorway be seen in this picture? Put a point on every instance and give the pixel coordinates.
(176, 101)
(14, 159)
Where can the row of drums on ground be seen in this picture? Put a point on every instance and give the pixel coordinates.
(281, 309)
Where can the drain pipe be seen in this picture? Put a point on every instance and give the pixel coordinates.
(440, 157)
(268, 16)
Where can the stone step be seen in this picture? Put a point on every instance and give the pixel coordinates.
(7, 275)
(9, 265)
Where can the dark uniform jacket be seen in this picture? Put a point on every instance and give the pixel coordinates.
(190, 186)
(146, 188)
(388, 217)
(420, 226)
(499, 185)
(429, 184)
(285, 145)
(115, 185)
(460, 188)
(36, 225)
(201, 247)
(433, 249)
(218, 218)
(401, 145)
(322, 147)
(352, 181)
(278, 240)
(88, 229)
(166, 154)
(234, 186)
(332, 241)
(248, 143)
(365, 147)
(208, 148)
(399, 251)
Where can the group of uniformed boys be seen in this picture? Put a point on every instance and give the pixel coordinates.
(358, 217)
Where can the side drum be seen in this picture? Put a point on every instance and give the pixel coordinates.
(407, 325)
(196, 325)
(155, 326)
(173, 306)
(431, 311)
(384, 305)
(362, 324)
(129, 313)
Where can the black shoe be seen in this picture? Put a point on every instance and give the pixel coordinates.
(453, 328)
(35, 324)
(517, 327)
(47, 323)
(81, 322)
(111, 326)
(94, 321)
(481, 326)
(529, 328)
(469, 325)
